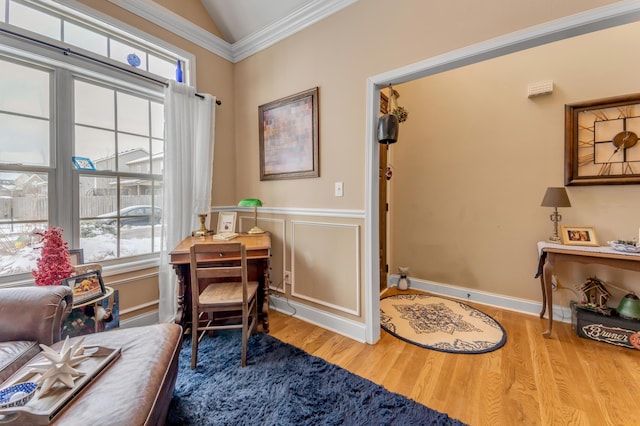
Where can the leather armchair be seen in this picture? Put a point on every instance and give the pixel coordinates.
(30, 316)
(34, 313)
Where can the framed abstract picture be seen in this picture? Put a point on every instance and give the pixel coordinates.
(288, 132)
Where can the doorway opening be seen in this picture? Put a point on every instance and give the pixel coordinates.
(601, 18)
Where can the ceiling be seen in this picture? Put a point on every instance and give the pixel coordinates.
(248, 26)
(238, 19)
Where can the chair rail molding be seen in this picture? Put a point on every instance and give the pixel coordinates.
(294, 211)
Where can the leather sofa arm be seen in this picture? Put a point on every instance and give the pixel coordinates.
(34, 313)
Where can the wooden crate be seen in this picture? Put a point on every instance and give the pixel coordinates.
(613, 329)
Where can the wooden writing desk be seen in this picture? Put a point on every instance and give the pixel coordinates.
(258, 261)
(551, 254)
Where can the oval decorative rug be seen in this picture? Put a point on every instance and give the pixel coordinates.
(440, 324)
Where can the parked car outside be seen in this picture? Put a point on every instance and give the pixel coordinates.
(133, 216)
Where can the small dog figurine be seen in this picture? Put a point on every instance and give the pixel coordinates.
(403, 283)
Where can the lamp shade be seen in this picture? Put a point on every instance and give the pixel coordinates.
(250, 202)
(556, 197)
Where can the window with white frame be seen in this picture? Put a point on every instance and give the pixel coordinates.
(52, 20)
(120, 132)
(51, 113)
(25, 161)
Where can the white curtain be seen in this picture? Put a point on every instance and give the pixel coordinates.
(188, 165)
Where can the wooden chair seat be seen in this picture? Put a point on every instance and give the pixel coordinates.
(225, 295)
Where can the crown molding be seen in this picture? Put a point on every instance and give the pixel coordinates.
(268, 36)
(302, 18)
(178, 25)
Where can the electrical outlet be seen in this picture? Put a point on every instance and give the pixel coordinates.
(287, 277)
(338, 189)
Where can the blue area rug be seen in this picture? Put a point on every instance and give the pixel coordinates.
(282, 385)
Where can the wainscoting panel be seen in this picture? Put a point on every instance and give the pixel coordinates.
(138, 292)
(278, 240)
(325, 264)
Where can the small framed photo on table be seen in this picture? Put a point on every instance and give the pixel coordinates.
(226, 222)
(579, 236)
(86, 287)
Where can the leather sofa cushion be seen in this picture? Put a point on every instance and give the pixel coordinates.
(137, 388)
(14, 355)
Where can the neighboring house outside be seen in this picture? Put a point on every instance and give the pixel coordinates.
(22, 196)
(136, 161)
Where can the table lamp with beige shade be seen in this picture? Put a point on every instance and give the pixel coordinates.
(555, 197)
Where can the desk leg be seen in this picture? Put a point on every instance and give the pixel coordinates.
(547, 274)
(183, 308)
(544, 296)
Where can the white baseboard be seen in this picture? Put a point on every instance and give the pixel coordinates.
(560, 313)
(352, 329)
(147, 318)
(356, 330)
(335, 323)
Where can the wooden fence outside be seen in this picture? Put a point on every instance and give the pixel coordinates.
(36, 208)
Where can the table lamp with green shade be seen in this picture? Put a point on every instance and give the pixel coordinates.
(255, 203)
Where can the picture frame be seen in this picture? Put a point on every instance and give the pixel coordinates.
(226, 222)
(76, 256)
(288, 136)
(601, 141)
(83, 163)
(86, 287)
(579, 236)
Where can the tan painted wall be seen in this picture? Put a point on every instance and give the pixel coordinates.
(337, 55)
(474, 159)
(370, 37)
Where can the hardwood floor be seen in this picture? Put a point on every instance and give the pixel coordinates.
(564, 380)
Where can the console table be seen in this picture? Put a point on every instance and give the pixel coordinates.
(551, 254)
(258, 262)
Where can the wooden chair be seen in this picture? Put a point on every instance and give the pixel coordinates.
(220, 270)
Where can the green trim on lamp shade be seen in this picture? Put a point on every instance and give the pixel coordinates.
(255, 203)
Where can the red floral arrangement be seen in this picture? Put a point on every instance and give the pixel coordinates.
(54, 264)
